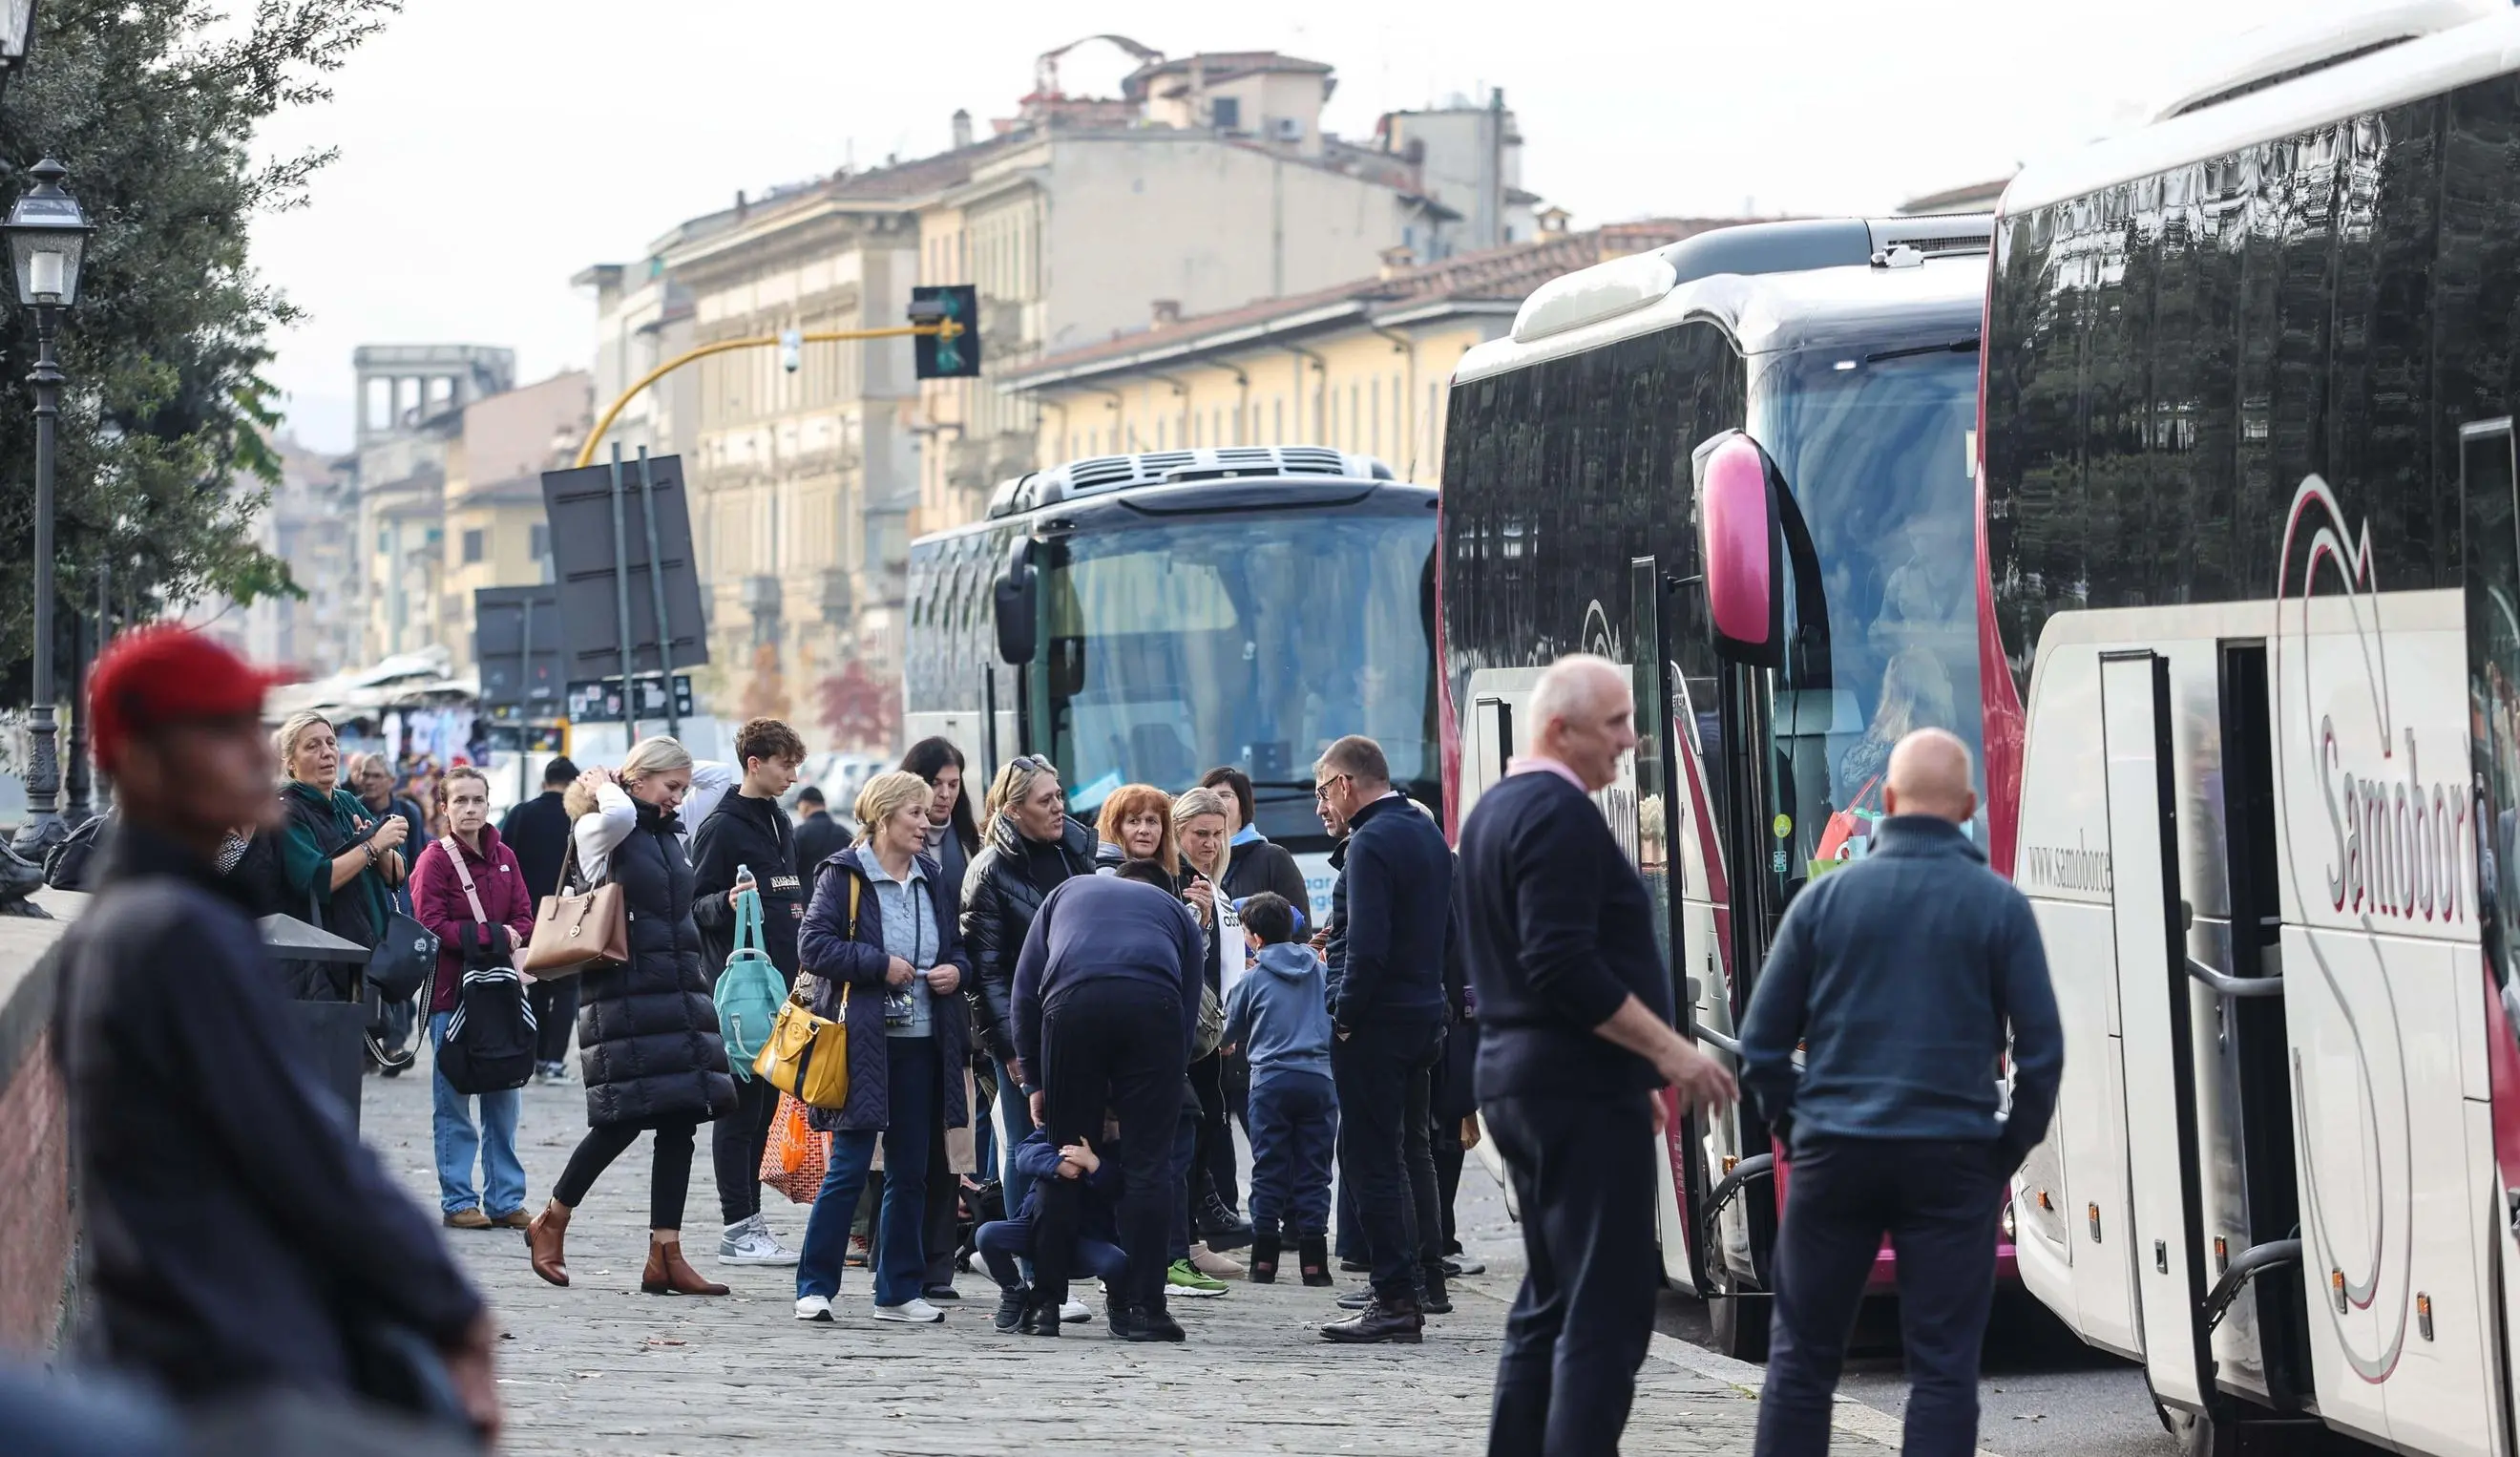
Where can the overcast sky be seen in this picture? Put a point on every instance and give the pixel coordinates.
(490, 149)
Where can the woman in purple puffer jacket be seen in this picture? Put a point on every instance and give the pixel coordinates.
(497, 936)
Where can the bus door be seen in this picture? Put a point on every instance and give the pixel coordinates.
(2150, 922)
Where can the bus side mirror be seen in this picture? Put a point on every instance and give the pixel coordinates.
(1740, 543)
(1015, 598)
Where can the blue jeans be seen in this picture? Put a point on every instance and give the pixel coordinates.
(912, 1081)
(1002, 1241)
(1294, 1123)
(459, 1142)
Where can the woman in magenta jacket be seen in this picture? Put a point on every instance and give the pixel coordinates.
(439, 901)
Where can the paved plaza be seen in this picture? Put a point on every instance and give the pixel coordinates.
(600, 1367)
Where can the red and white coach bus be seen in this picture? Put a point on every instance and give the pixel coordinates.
(1816, 380)
(2249, 592)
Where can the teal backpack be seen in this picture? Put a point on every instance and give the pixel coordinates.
(748, 991)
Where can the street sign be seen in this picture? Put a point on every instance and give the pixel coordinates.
(590, 557)
(598, 700)
(934, 356)
(519, 680)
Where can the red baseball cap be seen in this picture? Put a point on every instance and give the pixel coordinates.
(164, 674)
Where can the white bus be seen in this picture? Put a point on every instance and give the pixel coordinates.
(2251, 669)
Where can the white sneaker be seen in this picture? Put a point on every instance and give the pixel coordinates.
(555, 1075)
(912, 1311)
(814, 1307)
(748, 1242)
(1074, 1313)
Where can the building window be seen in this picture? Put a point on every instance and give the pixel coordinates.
(540, 540)
(472, 547)
(1226, 110)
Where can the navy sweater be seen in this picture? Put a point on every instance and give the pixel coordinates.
(1899, 974)
(1393, 903)
(1098, 927)
(1558, 934)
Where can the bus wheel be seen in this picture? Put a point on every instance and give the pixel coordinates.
(1739, 1323)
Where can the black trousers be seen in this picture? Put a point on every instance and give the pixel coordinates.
(1584, 1178)
(555, 1014)
(1938, 1199)
(1212, 1163)
(1117, 1044)
(1383, 1077)
(737, 1142)
(1446, 1136)
(669, 1178)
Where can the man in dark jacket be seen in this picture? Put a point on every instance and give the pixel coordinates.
(749, 832)
(1899, 975)
(1392, 910)
(818, 836)
(1575, 1046)
(537, 829)
(236, 1226)
(1105, 1009)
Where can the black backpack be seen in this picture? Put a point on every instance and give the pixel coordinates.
(68, 865)
(489, 1042)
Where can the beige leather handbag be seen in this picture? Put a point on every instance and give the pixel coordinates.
(577, 931)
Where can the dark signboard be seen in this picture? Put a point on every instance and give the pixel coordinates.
(601, 535)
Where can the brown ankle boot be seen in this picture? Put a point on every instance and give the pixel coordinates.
(669, 1274)
(544, 1238)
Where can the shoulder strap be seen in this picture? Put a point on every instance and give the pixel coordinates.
(464, 873)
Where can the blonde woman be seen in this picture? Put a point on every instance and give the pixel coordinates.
(646, 1031)
(894, 975)
(340, 864)
(1029, 847)
(1202, 821)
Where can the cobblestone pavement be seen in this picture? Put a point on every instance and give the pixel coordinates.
(599, 1367)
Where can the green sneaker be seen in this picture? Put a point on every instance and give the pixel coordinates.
(1184, 1279)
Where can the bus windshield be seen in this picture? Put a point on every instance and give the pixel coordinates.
(1254, 641)
(1875, 450)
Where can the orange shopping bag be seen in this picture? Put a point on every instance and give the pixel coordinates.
(796, 1155)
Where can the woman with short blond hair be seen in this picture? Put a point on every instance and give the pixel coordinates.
(341, 864)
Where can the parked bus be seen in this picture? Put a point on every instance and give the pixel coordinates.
(1148, 618)
(1819, 376)
(2250, 593)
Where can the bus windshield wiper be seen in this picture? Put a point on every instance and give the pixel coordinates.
(1956, 346)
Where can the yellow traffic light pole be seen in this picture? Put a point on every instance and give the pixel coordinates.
(945, 328)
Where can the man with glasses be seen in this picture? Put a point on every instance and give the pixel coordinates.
(1390, 913)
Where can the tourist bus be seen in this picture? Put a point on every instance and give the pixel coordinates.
(1145, 619)
(1811, 383)
(2250, 598)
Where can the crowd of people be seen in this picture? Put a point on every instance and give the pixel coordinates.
(1050, 1029)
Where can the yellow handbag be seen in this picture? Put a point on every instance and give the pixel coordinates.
(807, 1056)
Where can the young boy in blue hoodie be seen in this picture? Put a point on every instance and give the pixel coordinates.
(1001, 1243)
(1279, 1014)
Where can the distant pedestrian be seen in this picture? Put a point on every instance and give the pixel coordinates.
(228, 1208)
(537, 831)
(748, 833)
(885, 954)
(1393, 907)
(646, 1031)
(1105, 1009)
(1575, 1046)
(819, 837)
(1279, 1017)
(1031, 847)
(494, 936)
(1258, 862)
(1900, 975)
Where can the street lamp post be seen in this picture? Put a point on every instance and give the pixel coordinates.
(47, 238)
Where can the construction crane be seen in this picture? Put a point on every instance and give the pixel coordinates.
(1045, 70)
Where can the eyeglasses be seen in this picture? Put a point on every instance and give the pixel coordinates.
(1322, 790)
(1032, 762)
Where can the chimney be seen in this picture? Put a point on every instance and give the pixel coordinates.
(739, 202)
(1552, 222)
(1398, 260)
(962, 130)
(1167, 312)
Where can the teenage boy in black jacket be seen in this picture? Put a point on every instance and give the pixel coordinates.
(749, 831)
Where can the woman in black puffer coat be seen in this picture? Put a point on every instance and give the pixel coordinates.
(647, 1032)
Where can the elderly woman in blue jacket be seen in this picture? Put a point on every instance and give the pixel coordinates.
(888, 961)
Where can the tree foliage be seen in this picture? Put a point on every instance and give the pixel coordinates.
(153, 106)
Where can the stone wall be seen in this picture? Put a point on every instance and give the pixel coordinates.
(38, 1233)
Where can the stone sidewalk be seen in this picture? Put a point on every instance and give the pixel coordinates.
(599, 1367)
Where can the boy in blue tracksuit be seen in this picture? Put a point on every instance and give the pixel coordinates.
(1278, 1014)
(1097, 1254)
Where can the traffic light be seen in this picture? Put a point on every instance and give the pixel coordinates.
(939, 357)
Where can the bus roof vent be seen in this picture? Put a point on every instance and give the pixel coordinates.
(1947, 233)
(1104, 472)
(1588, 296)
(2280, 51)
